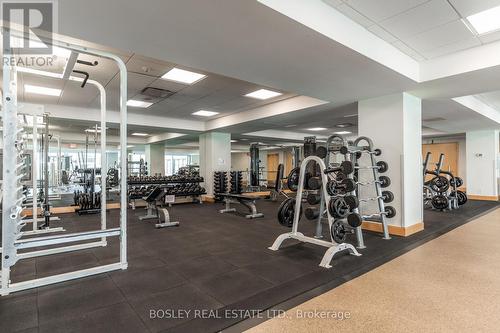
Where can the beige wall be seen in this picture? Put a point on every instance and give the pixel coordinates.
(461, 152)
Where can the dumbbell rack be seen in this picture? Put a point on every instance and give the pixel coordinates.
(333, 247)
(380, 216)
(220, 184)
(165, 184)
(236, 182)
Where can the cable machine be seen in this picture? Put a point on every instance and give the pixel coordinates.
(13, 240)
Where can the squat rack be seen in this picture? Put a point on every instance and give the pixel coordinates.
(12, 219)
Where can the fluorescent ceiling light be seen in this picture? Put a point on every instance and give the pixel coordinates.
(244, 139)
(344, 125)
(41, 90)
(130, 146)
(138, 104)
(317, 129)
(289, 126)
(263, 94)
(485, 21)
(233, 141)
(140, 134)
(183, 76)
(351, 115)
(204, 113)
(342, 132)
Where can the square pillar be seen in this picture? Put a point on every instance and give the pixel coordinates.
(155, 157)
(215, 155)
(394, 123)
(482, 153)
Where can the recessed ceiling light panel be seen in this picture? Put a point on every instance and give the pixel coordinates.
(485, 21)
(204, 113)
(138, 104)
(317, 129)
(140, 134)
(183, 76)
(263, 94)
(342, 132)
(344, 125)
(28, 88)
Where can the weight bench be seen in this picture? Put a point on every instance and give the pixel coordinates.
(245, 200)
(154, 196)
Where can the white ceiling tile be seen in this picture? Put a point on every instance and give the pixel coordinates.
(419, 19)
(378, 10)
(333, 3)
(382, 33)
(445, 34)
(491, 37)
(451, 48)
(469, 7)
(148, 66)
(354, 15)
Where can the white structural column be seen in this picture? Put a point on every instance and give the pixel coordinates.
(482, 155)
(394, 123)
(155, 157)
(215, 155)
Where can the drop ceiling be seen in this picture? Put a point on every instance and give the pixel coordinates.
(422, 29)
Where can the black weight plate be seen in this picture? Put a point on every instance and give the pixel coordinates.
(354, 220)
(321, 152)
(338, 208)
(286, 212)
(338, 231)
(387, 196)
(462, 198)
(439, 202)
(311, 213)
(377, 152)
(314, 183)
(390, 211)
(382, 166)
(293, 179)
(313, 198)
(351, 201)
(346, 167)
(330, 187)
(348, 184)
(384, 181)
(439, 184)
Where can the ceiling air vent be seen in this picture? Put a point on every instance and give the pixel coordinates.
(153, 95)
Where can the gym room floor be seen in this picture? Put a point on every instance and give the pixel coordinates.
(213, 261)
(450, 284)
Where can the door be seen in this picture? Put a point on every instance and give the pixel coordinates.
(450, 151)
(288, 163)
(272, 168)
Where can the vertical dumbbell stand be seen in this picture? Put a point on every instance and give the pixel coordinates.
(333, 247)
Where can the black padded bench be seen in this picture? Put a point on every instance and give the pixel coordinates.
(152, 199)
(245, 200)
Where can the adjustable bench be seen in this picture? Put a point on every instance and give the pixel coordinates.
(152, 199)
(245, 200)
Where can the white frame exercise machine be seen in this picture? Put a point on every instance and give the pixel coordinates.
(12, 219)
(333, 247)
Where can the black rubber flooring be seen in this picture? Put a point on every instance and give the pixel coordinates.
(210, 262)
